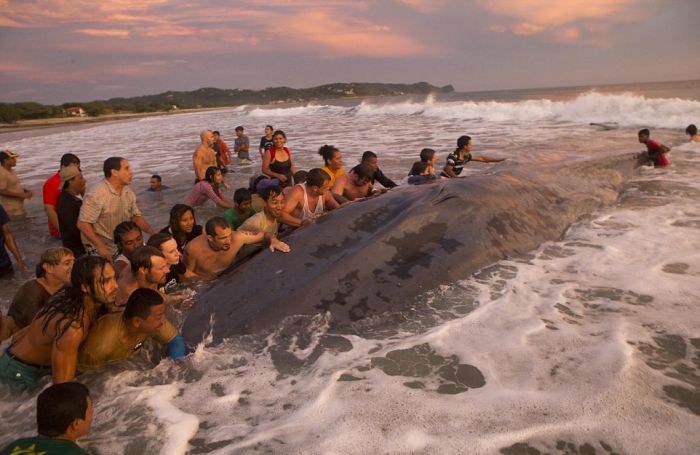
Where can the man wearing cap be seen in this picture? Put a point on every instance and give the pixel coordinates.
(52, 189)
(12, 195)
(68, 206)
(108, 204)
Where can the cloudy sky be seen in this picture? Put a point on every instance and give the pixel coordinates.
(55, 51)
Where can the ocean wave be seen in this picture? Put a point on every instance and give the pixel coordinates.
(624, 110)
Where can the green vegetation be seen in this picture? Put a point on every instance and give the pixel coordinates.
(214, 97)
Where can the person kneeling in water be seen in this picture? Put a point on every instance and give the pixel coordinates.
(117, 336)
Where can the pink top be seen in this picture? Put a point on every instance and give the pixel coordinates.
(200, 193)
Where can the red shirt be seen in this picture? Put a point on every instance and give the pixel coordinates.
(657, 155)
(223, 152)
(51, 193)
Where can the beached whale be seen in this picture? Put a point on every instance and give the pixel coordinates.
(375, 256)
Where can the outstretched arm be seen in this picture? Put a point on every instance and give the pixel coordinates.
(486, 159)
(290, 204)
(276, 244)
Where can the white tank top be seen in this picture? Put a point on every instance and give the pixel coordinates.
(307, 214)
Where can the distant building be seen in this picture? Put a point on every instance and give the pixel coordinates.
(74, 111)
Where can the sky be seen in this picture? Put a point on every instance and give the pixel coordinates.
(55, 51)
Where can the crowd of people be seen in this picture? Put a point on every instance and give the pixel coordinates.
(100, 296)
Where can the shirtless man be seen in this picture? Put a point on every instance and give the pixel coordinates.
(148, 269)
(356, 184)
(204, 156)
(49, 345)
(52, 275)
(215, 250)
(309, 200)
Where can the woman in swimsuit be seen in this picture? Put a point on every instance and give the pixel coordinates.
(277, 161)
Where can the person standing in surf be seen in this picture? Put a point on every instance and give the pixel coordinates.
(461, 156)
(277, 160)
(266, 140)
(656, 152)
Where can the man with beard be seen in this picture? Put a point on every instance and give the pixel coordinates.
(49, 345)
(148, 269)
(215, 250)
(52, 274)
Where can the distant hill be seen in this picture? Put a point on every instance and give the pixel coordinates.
(216, 97)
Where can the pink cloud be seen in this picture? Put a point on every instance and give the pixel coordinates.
(349, 37)
(338, 28)
(570, 21)
(111, 33)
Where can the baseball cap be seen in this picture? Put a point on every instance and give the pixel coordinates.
(68, 173)
(262, 184)
(8, 154)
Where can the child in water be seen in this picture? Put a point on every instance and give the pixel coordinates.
(656, 152)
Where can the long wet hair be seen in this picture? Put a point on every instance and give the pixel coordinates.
(209, 176)
(176, 213)
(69, 304)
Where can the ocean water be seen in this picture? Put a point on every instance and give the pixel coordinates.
(588, 344)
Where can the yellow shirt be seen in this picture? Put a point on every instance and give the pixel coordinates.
(259, 223)
(334, 175)
(104, 343)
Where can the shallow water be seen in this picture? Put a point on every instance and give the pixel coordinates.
(589, 344)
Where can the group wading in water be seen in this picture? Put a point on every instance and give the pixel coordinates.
(106, 291)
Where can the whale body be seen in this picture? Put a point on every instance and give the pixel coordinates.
(375, 256)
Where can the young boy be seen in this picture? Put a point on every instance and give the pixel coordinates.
(63, 414)
(243, 209)
(656, 153)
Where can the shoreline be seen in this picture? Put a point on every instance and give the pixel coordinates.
(23, 125)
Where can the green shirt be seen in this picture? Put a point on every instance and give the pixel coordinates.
(235, 220)
(40, 445)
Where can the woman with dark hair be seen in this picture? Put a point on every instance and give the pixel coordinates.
(333, 162)
(208, 189)
(183, 225)
(277, 160)
(167, 245)
(461, 156)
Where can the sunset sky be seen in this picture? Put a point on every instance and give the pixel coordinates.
(55, 51)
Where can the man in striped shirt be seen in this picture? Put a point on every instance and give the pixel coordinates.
(108, 204)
